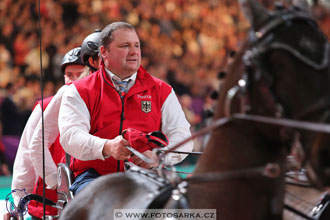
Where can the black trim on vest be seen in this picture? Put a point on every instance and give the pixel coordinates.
(122, 117)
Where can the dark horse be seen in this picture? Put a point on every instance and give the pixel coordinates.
(282, 71)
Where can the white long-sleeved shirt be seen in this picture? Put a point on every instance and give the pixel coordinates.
(51, 132)
(74, 126)
(24, 175)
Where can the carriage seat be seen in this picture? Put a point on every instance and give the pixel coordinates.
(64, 181)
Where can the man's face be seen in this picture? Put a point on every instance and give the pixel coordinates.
(72, 72)
(123, 55)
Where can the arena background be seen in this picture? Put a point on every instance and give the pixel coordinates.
(184, 42)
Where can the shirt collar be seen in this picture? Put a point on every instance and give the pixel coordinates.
(131, 80)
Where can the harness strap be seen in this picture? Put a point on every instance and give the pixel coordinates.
(269, 170)
(162, 197)
(184, 152)
(310, 126)
(304, 125)
(291, 209)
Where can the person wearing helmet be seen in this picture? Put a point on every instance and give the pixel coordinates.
(72, 65)
(27, 172)
(90, 50)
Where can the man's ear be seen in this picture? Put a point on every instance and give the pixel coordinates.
(102, 51)
(91, 61)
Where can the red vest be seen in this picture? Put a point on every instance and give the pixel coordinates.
(110, 113)
(56, 150)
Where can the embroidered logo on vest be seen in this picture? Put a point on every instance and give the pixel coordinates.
(144, 96)
(146, 106)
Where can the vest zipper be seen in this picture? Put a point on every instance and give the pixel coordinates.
(122, 118)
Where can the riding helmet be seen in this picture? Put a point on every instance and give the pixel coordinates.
(71, 57)
(90, 46)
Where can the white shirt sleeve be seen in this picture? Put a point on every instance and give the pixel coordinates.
(24, 175)
(74, 126)
(176, 127)
(50, 134)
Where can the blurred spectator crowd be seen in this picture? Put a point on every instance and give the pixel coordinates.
(184, 42)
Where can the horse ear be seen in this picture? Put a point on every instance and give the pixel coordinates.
(302, 5)
(254, 12)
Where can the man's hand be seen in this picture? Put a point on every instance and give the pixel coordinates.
(116, 148)
(143, 164)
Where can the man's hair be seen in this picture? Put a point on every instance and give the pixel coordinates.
(107, 33)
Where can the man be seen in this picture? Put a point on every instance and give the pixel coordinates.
(95, 110)
(25, 172)
(51, 115)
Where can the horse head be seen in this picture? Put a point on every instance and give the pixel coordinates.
(288, 60)
(280, 72)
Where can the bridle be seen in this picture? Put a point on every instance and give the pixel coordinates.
(263, 41)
